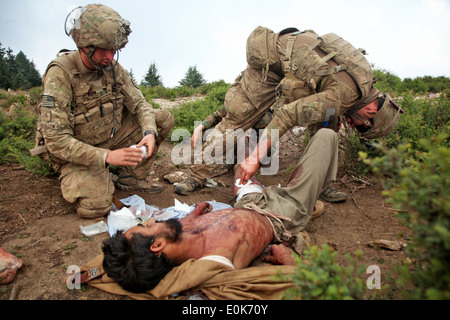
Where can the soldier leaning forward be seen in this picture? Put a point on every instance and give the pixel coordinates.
(92, 112)
(298, 78)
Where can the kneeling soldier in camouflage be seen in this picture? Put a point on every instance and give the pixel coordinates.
(92, 112)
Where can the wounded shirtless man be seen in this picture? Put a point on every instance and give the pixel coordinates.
(139, 258)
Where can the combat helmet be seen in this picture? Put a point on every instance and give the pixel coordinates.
(97, 25)
(384, 120)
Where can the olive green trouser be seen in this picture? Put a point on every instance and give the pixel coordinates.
(316, 169)
(92, 188)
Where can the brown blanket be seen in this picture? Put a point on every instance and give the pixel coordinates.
(212, 279)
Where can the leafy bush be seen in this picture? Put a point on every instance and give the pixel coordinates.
(9, 99)
(188, 113)
(16, 140)
(417, 183)
(386, 81)
(318, 277)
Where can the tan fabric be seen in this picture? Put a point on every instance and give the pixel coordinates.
(215, 280)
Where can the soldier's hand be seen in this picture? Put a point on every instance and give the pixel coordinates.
(149, 141)
(124, 157)
(248, 169)
(197, 135)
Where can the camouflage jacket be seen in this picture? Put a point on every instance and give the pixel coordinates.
(322, 78)
(80, 107)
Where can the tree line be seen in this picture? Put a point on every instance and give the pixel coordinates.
(389, 82)
(17, 71)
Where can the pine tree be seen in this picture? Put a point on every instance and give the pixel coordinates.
(17, 72)
(3, 69)
(193, 78)
(152, 78)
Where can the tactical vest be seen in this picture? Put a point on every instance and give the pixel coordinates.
(306, 65)
(303, 67)
(96, 106)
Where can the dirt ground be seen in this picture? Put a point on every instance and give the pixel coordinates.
(39, 227)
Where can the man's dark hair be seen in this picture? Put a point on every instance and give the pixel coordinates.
(132, 264)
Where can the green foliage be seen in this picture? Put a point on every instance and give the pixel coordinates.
(9, 99)
(189, 113)
(17, 72)
(417, 183)
(423, 119)
(389, 82)
(166, 93)
(152, 78)
(353, 145)
(193, 78)
(318, 277)
(35, 95)
(16, 140)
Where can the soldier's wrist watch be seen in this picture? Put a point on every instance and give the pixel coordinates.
(151, 132)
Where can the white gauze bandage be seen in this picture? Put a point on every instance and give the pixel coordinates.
(247, 188)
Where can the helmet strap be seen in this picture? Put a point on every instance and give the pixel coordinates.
(367, 123)
(89, 55)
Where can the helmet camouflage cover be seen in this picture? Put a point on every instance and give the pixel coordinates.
(384, 120)
(100, 26)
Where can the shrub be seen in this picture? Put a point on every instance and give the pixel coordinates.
(16, 140)
(418, 184)
(318, 277)
(188, 113)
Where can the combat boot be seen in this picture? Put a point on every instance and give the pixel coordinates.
(187, 186)
(128, 182)
(330, 194)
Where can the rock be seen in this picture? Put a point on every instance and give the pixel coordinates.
(386, 244)
(9, 265)
(12, 110)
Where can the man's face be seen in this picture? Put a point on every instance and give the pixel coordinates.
(101, 57)
(170, 229)
(366, 113)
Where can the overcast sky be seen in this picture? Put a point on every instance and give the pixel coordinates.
(406, 37)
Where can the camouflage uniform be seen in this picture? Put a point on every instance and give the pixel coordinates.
(79, 110)
(301, 83)
(86, 113)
